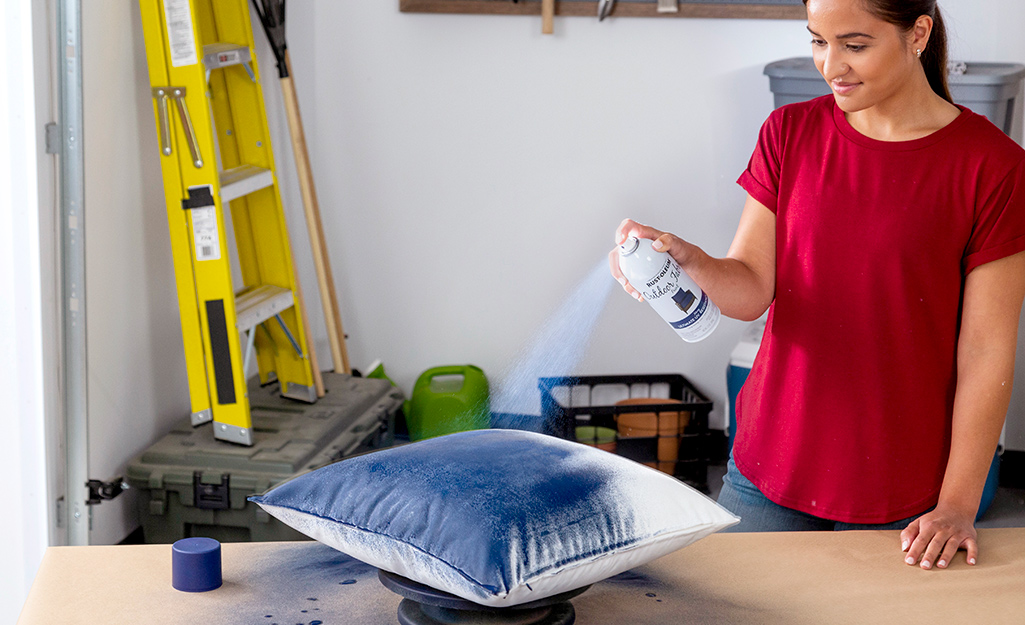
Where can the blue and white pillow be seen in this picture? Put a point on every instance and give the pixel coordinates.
(498, 517)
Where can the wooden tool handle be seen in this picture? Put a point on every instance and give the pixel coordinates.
(332, 318)
(547, 16)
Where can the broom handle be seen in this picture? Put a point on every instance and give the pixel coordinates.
(547, 16)
(318, 245)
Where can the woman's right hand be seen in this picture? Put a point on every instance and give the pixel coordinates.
(742, 285)
(664, 242)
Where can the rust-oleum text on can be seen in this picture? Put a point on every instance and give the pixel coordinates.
(668, 289)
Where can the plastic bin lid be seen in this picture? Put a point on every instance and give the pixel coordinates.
(975, 73)
(797, 67)
(289, 436)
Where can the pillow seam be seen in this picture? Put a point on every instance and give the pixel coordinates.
(396, 539)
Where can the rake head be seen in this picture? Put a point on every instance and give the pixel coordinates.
(272, 16)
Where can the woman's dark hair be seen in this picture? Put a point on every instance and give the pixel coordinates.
(904, 14)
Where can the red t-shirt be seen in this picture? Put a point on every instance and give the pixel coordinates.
(846, 413)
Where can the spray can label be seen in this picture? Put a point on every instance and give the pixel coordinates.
(695, 316)
(674, 295)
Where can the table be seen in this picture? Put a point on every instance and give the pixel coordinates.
(763, 579)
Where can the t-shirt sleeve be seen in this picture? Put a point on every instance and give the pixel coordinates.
(761, 178)
(999, 229)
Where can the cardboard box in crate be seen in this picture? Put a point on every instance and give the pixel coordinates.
(571, 402)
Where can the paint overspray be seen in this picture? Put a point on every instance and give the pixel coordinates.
(555, 350)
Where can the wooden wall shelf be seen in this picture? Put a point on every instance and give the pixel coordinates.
(589, 8)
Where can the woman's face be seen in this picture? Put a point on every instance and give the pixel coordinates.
(865, 60)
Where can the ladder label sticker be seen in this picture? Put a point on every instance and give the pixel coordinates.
(182, 39)
(204, 232)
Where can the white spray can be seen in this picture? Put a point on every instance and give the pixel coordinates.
(668, 289)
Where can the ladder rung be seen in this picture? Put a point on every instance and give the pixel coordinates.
(256, 305)
(243, 180)
(218, 55)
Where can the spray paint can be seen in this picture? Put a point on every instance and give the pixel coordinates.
(669, 290)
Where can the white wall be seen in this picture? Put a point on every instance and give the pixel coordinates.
(23, 526)
(470, 172)
(137, 385)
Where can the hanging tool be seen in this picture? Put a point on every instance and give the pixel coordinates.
(604, 8)
(272, 16)
(215, 154)
(547, 17)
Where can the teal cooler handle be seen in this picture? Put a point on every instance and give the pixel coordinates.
(989, 491)
(735, 378)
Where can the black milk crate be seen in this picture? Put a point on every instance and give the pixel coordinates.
(569, 402)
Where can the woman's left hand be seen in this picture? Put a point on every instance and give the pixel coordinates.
(935, 537)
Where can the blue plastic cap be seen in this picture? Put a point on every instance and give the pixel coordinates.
(196, 564)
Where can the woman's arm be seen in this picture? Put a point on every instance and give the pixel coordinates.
(742, 284)
(985, 371)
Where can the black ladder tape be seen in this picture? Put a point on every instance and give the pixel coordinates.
(221, 351)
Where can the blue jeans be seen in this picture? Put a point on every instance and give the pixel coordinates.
(758, 514)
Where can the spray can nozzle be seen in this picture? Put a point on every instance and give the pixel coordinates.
(629, 246)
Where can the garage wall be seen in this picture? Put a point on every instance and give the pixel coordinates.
(470, 172)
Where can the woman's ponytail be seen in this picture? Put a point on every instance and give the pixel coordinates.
(934, 57)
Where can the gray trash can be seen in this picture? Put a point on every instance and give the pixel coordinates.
(990, 89)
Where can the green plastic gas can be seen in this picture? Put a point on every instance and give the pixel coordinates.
(448, 399)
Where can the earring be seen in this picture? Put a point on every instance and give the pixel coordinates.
(919, 52)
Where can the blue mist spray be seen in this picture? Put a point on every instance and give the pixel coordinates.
(555, 350)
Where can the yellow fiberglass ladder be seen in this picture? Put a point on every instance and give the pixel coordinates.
(209, 106)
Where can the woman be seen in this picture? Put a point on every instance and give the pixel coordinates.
(884, 231)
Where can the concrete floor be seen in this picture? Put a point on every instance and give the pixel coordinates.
(1007, 509)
